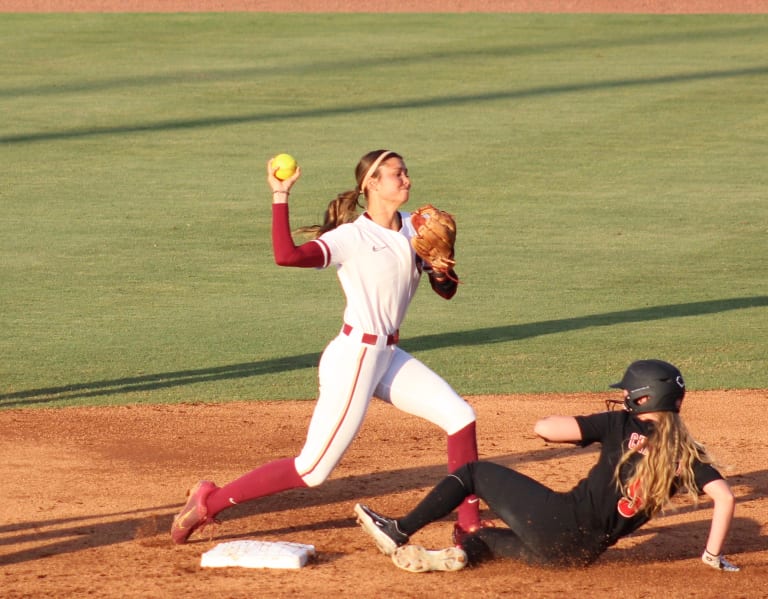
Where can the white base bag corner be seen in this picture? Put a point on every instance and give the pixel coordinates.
(258, 554)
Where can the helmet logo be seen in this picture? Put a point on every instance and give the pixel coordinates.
(680, 382)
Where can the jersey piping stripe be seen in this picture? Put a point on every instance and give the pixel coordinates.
(341, 419)
(326, 251)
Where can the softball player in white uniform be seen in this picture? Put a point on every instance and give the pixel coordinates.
(379, 273)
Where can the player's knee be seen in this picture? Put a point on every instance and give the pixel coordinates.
(315, 476)
(314, 481)
(461, 417)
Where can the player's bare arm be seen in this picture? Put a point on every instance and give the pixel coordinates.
(722, 515)
(558, 429)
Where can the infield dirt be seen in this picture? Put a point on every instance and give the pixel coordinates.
(89, 495)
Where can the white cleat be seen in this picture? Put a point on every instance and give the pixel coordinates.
(414, 558)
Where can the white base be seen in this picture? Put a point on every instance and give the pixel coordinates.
(257, 554)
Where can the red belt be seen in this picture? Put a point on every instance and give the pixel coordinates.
(370, 338)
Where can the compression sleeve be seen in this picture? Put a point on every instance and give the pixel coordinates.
(445, 288)
(307, 255)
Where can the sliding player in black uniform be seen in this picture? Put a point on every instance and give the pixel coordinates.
(647, 455)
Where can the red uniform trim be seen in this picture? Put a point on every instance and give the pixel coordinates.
(340, 421)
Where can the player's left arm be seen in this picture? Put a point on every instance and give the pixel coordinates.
(442, 284)
(722, 516)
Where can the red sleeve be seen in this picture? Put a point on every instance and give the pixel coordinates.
(445, 288)
(307, 255)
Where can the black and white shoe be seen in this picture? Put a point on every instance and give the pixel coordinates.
(384, 531)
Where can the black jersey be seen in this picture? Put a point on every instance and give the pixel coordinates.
(602, 509)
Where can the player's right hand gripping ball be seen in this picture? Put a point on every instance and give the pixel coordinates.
(435, 237)
(285, 165)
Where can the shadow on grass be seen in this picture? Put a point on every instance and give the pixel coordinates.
(371, 107)
(486, 336)
(512, 50)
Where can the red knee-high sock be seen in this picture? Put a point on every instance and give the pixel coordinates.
(271, 478)
(462, 448)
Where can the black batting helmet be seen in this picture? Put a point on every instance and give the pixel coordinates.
(659, 381)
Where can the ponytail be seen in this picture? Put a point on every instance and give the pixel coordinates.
(344, 208)
(341, 210)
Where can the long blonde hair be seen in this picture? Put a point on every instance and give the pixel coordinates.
(668, 453)
(343, 209)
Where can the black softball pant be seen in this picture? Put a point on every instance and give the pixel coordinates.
(543, 528)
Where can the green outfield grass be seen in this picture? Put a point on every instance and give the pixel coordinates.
(609, 175)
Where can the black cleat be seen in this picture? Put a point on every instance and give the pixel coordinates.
(384, 531)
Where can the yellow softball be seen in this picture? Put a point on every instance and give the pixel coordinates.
(285, 164)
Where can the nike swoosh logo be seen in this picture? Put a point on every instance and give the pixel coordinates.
(379, 248)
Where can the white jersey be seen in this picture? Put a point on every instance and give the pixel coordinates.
(377, 271)
(379, 274)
